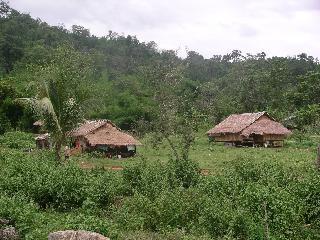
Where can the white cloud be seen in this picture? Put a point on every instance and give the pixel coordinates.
(281, 28)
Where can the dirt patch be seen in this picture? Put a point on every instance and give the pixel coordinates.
(116, 168)
(85, 165)
(204, 172)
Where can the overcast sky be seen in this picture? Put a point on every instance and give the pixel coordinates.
(277, 27)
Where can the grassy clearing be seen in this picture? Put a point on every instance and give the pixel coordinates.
(213, 157)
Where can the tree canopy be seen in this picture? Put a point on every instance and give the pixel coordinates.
(287, 87)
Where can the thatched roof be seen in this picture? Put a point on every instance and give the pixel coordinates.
(103, 132)
(88, 127)
(248, 123)
(235, 123)
(110, 135)
(265, 127)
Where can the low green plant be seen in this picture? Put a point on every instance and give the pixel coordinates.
(256, 194)
(21, 212)
(17, 140)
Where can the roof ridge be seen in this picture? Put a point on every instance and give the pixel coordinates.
(91, 125)
(256, 119)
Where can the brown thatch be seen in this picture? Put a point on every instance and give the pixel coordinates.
(43, 141)
(235, 123)
(249, 123)
(88, 127)
(265, 126)
(103, 132)
(110, 135)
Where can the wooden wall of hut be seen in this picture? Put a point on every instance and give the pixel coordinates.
(232, 137)
(273, 137)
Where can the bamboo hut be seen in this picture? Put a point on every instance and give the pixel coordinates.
(43, 141)
(249, 129)
(104, 136)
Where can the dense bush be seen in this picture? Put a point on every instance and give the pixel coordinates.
(104, 188)
(19, 211)
(146, 179)
(183, 172)
(250, 199)
(178, 208)
(17, 140)
(52, 185)
(303, 139)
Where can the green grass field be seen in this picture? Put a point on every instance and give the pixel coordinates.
(213, 157)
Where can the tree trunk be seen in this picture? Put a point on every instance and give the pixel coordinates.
(188, 141)
(318, 158)
(173, 148)
(57, 148)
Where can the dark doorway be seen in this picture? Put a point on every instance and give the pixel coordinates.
(257, 139)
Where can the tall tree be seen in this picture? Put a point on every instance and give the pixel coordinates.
(176, 119)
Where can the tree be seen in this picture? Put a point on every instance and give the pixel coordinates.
(62, 92)
(305, 97)
(4, 9)
(10, 111)
(80, 31)
(176, 119)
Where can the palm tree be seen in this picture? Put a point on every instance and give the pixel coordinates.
(62, 93)
(60, 114)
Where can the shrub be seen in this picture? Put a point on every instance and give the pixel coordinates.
(221, 219)
(274, 207)
(183, 172)
(104, 187)
(308, 191)
(44, 181)
(17, 140)
(19, 211)
(248, 197)
(164, 213)
(147, 179)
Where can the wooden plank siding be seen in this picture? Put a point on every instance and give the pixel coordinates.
(232, 137)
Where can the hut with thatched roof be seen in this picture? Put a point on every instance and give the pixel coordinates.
(104, 136)
(43, 141)
(249, 129)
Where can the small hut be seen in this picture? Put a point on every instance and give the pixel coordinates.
(43, 141)
(249, 129)
(104, 136)
(37, 126)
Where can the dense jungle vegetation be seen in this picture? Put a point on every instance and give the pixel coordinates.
(64, 76)
(125, 75)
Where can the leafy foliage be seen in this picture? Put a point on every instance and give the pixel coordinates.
(128, 75)
(17, 140)
(254, 197)
(137, 85)
(62, 91)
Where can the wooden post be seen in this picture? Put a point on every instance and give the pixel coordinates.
(318, 158)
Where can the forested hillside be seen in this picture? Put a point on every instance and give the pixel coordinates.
(178, 185)
(126, 76)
